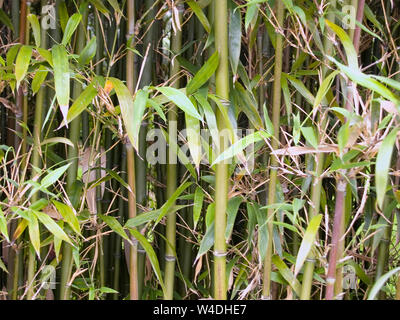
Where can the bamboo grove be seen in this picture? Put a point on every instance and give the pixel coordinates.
(209, 149)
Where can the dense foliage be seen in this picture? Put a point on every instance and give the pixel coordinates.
(192, 149)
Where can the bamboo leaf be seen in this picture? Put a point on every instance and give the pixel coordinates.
(70, 28)
(352, 57)
(323, 89)
(207, 242)
(382, 165)
(232, 210)
(139, 106)
(170, 202)
(180, 99)
(34, 234)
(33, 20)
(151, 255)
(22, 63)
(52, 226)
(287, 274)
(132, 110)
(307, 242)
(6, 20)
(240, 145)
(53, 176)
(235, 38)
(193, 137)
(3, 225)
(113, 223)
(200, 15)
(88, 52)
(381, 282)
(3, 266)
(58, 140)
(61, 78)
(149, 216)
(197, 205)
(82, 102)
(310, 136)
(38, 79)
(205, 73)
(68, 215)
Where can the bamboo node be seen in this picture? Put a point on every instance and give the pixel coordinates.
(169, 258)
(330, 281)
(219, 254)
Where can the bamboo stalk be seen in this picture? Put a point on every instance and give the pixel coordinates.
(221, 171)
(172, 176)
(341, 182)
(66, 264)
(276, 106)
(131, 84)
(319, 163)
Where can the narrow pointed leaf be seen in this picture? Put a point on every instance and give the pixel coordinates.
(307, 242)
(382, 165)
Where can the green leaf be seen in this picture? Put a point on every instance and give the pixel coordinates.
(323, 89)
(367, 81)
(38, 79)
(132, 111)
(287, 274)
(63, 14)
(88, 52)
(149, 216)
(3, 226)
(139, 106)
(171, 201)
(34, 234)
(53, 227)
(232, 210)
(180, 99)
(352, 57)
(380, 283)
(240, 145)
(382, 165)
(310, 136)
(205, 73)
(70, 28)
(115, 5)
(200, 15)
(150, 254)
(61, 78)
(53, 176)
(193, 137)
(33, 20)
(343, 137)
(3, 266)
(207, 241)
(113, 223)
(82, 102)
(197, 205)
(6, 20)
(68, 215)
(307, 242)
(235, 39)
(210, 117)
(22, 63)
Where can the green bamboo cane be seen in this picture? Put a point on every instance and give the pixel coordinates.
(131, 83)
(66, 264)
(276, 106)
(221, 172)
(319, 163)
(36, 153)
(172, 176)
